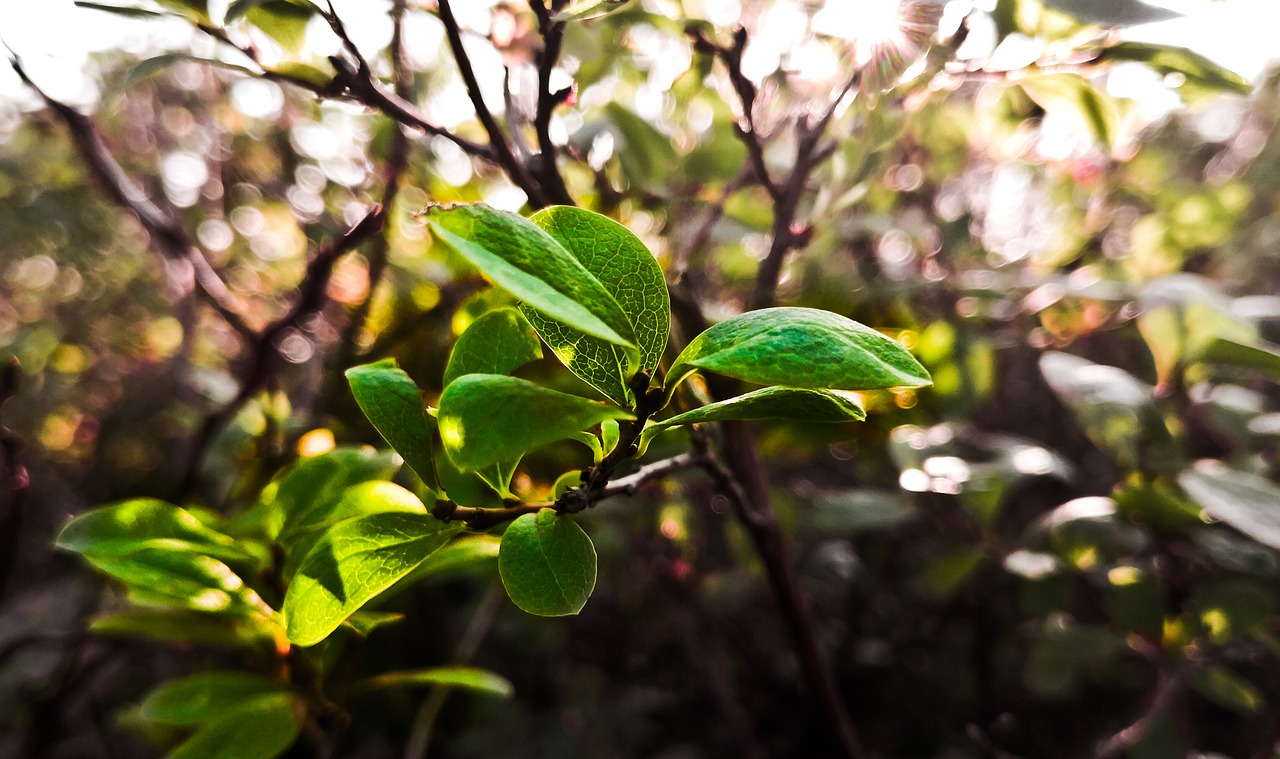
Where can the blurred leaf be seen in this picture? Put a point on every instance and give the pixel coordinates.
(304, 73)
(129, 526)
(1200, 73)
(120, 10)
(627, 269)
(499, 342)
(547, 564)
(527, 262)
(1182, 316)
(205, 696)
(587, 10)
(1113, 12)
(1227, 689)
(1063, 655)
(284, 21)
(469, 678)
(799, 347)
(946, 573)
(1115, 410)
(1247, 502)
(488, 418)
(161, 576)
(646, 155)
(393, 404)
(365, 621)
(261, 728)
(353, 563)
(174, 626)
(857, 510)
(1263, 357)
(197, 10)
(1074, 94)
(788, 403)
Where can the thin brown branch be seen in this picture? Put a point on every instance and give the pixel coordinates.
(501, 147)
(162, 224)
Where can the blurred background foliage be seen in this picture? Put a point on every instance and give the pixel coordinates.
(1067, 547)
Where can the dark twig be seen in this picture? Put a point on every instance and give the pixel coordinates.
(548, 175)
(503, 155)
(172, 239)
(15, 482)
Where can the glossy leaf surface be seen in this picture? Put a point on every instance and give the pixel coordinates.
(618, 259)
(499, 342)
(547, 564)
(354, 562)
(488, 418)
(527, 262)
(800, 347)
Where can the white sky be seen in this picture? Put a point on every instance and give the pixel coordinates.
(55, 38)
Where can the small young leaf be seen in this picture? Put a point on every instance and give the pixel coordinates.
(1247, 502)
(800, 347)
(499, 342)
(120, 10)
(354, 562)
(204, 697)
(547, 564)
(488, 418)
(470, 678)
(770, 403)
(364, 622)
(130, 526)
(618, 259)
(527, 262)
(261, 728)
(393, 404)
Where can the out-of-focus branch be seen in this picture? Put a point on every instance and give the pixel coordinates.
(162, 224)
(545, 169)
(501, 147)
(264, 353)
(15, 481)
(747, 129)
(1168, 685)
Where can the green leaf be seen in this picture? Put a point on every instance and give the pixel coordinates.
(800, 347)
(1227, 689)
(1247, 502)
(283, 21)
(174, 626)
(466, 552)
(775, 403)
(488, 418)
(261, 728)
(470, 678)
(1200, 73)
(303, 73)
(587, 10)
(527, 262)
(362, 499)
(1115, 410)
(547, 564)
(154, 65)
(1258, 355)
(196, 10)
(1113, 12)
(354, 562)
(313, 485)
(162, 576)
(647, 155)
(364, 622)
(617, 259)
(499, 342)
(120, 10)
(204, 697)
(393, 404)
(130, 526)
(1072, 94)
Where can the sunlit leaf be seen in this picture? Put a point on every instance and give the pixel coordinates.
(622, 263)
(789, 403)
(355, 562)
(499, 342)
(468, 678)
(488, 418)
(800, 347)
(1247, 502)
(393, 404)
